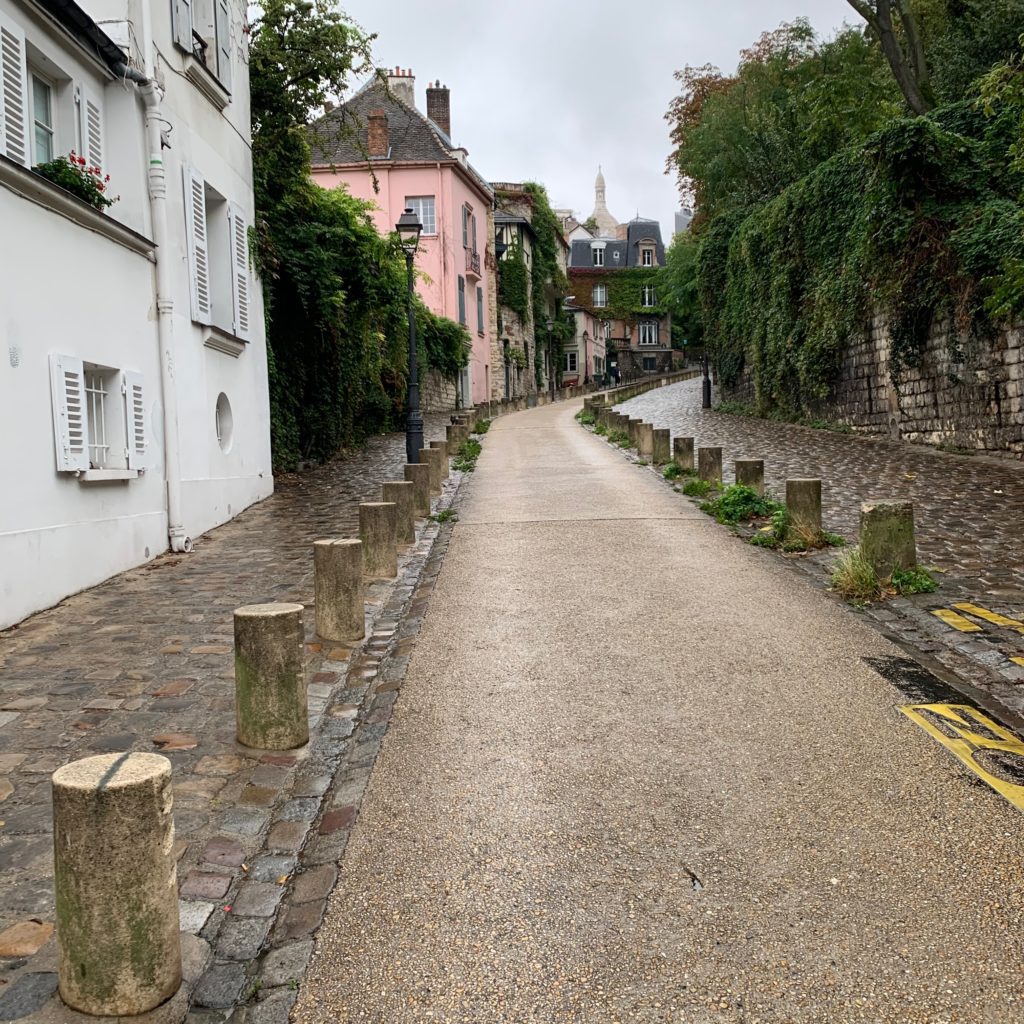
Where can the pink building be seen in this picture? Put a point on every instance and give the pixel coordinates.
(416, 164)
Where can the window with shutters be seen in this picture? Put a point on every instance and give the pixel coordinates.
(204, 29)
(43, 147)
(99, 418)
(480, 311)
(218, 239)
(462, 300)
(14, 131)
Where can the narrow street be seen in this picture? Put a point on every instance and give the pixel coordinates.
(641, 772)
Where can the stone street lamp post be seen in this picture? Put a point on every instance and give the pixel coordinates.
(706, 393)
(409, 228)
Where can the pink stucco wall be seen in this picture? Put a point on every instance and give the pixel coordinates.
(441, 257)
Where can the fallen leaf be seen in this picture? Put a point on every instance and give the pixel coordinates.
(283, 879)
(175, 741)
(909, 476)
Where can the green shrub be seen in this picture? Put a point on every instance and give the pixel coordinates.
(619, 437)
(696, 488)
(481, 426)
(601, 430)
(739, 503)
(587, 418)
(444, 516)
(466, 456)
(914, 580)
(854, 577)
(671, 471)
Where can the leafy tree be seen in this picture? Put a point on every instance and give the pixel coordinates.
(678, 284)
(335, 291)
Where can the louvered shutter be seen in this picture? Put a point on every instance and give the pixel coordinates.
(135, 420)
(14, 130)
(239, 270)
(222, 15)
(181, 23)
(70, 428)
(198, 244)
(90, 113)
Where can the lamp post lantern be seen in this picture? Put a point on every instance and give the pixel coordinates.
(550, 324)
(409, 228)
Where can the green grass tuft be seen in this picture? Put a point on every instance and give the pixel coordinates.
(913, 581)
(481, 426)
(738, 504)
(697, 488)
(854, 578)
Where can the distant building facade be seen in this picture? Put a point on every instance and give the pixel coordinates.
(411, 158)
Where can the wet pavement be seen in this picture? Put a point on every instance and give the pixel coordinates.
(642, 772)
(969, 514)
(145, 662)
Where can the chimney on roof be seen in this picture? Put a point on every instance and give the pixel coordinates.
(377, 133)
(403, 85)
(439, 108)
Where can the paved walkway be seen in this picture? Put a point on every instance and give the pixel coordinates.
(144, 662)
(969, 512)
(641, 772)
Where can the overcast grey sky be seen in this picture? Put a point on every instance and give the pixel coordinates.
(545, 90)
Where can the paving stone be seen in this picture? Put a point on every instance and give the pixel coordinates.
(244, 821)
(193, 915)
(242, 938)
(6, 717)
(25, 938)
(257, 796)
(301, 920)
(203, 885)
(273, 1008)
(314, 884)
(286, 964)
(220, 850)
(257, 899)
(220, 986)
(338, 818)
(299, 810)
(287, 836)
(26, 994)
(271, 868)
(6, 789)
(220, 764)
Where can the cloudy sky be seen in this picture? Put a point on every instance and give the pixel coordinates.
(545, 90)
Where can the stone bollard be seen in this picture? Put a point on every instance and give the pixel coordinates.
(338, 585)
(750, 473)
(633, 429)
(432, 457)
(418, 474)
(660, 450)
(887, 536)
(442, 447)
(709, 464)
(378, 528)
(115, 884)
(803, 501)
(645, 440)
(451, 435)
(682, 452)
(270, 684)
(400, 494)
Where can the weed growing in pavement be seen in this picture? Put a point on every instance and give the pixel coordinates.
(619, 437)
(781, 533)
(914, 580)
(601, 430)
(697, 488)
(833, 540)
(466, 456)
(444, 516)
(587, 418)
(481, 426)
(671, 472)
(642, 462)
(854, 577)
(739, 504)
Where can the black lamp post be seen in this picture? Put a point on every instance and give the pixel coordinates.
(409, 228)
(550, 324)
(706, 395)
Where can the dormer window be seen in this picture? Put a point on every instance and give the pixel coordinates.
(598, 257)
(647, 257)
(615, 256)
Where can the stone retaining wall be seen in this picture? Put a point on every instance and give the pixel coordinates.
(975, 403)
(437, 393)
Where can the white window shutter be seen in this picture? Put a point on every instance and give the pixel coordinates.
(135, 420)
(239, 270)
(198, 244)
(14, 131)
(181, 23)
(70, 425)
(222, 14)
(90, 114)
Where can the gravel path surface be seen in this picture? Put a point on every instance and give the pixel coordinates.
(641, 772)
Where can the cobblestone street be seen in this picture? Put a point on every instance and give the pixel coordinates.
(969, 512)
(145, 662)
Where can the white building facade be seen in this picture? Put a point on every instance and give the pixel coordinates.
(133, 369)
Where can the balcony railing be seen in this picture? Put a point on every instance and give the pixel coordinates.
(472, 262)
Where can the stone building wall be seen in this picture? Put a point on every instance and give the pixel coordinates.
(974, 403)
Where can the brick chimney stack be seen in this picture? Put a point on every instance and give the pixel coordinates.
(377, 133)
(439, 108)
(403, 85)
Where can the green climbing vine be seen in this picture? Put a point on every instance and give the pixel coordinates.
(514, 282)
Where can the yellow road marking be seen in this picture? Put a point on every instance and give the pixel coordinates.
(1017, 661)
(962, 720)
(956, 621)
(994, 617)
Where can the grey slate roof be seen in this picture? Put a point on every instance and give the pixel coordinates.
(581, 256)
(412, 136)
